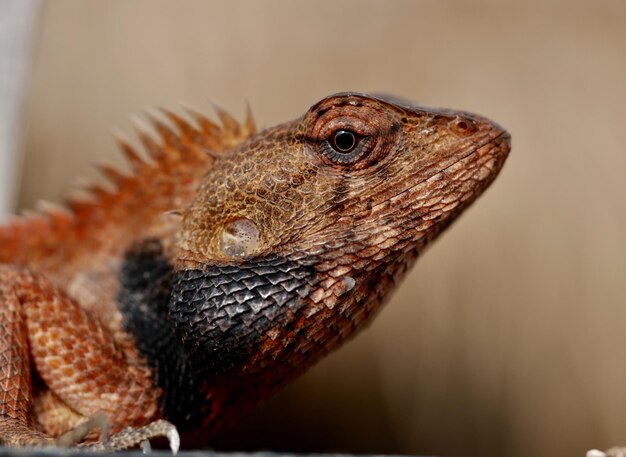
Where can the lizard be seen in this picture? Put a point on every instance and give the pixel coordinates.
(223, 264)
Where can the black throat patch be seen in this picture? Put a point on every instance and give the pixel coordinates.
(146, 283)
(195, 327)
(223, 313)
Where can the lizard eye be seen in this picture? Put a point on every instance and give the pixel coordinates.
(344, 147)
(351, 134)
(344, 141)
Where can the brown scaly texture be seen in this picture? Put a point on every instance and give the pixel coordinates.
(226, 265)
(58, 286)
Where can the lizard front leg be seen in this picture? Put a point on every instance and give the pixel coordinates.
(75, 356)
(16, 424)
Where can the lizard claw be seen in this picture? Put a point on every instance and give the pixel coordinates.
(146, 447)
(174, 439)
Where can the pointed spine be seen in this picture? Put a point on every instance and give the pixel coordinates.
(52, 209)
(149, 144)
(97, 191)
(209, 128)
(131, 155)
(112, 174)
(231, 125)
(250, 123)
(186, 129)
(167, 135)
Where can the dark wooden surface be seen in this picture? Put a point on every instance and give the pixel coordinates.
(5, 452)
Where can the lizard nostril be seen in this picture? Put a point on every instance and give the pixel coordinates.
(240, 237)
(463, 126)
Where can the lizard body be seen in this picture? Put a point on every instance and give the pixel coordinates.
(225, 264)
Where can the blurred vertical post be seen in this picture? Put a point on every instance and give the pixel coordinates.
(18, 23)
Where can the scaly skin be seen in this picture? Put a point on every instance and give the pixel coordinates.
(225, 266)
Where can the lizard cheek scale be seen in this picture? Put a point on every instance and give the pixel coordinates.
(276, 248)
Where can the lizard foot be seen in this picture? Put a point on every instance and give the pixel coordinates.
(14, 433)
(131, 437)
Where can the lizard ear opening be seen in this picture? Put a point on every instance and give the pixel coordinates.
(240, 237)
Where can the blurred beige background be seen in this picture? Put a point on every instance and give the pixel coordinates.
(508, 338)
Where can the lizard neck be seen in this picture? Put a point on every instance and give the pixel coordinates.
(271, 318)
(146, 278)
(226, 336)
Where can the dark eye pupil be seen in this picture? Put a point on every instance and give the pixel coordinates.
(344, 141)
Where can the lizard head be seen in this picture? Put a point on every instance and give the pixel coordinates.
(298, 235)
